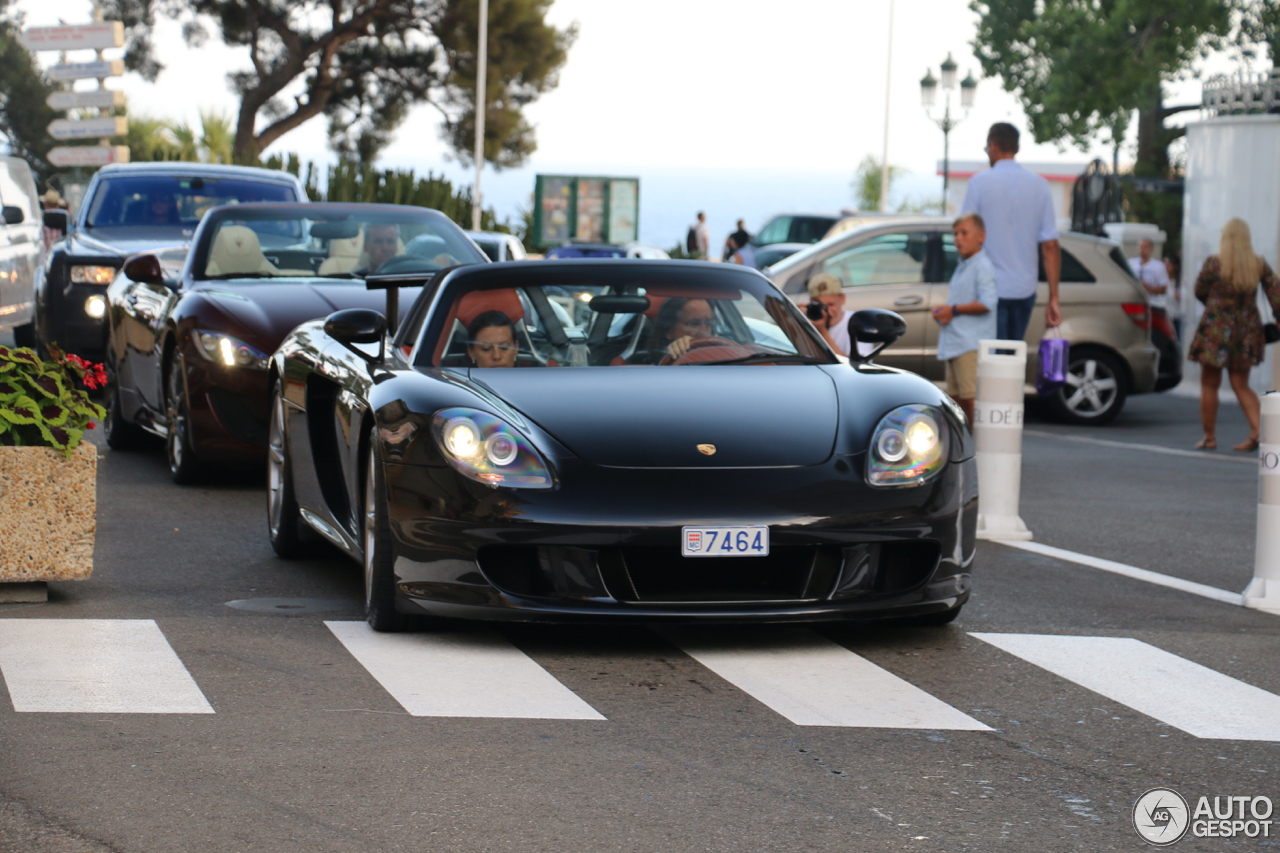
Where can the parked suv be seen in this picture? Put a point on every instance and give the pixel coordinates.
(21, 245)
(905, 266)
(131, 208)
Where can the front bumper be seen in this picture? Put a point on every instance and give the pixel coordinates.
(228, 409)
(608, 549)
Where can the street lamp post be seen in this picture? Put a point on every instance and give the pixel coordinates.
(928, 95)
(482, 68)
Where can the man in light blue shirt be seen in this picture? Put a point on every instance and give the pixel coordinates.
(1021, 227)
(970, 313)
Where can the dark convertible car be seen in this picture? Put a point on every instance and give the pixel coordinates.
(618, 439)
(190, 334)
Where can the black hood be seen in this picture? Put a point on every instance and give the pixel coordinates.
(655, 417)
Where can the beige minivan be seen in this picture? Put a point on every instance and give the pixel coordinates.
(905, 265)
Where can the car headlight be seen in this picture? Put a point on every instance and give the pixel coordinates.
(487, 449)
(908, 447)
(92, 275)
(228, 351)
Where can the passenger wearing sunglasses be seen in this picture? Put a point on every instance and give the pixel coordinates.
(492, 338)
(680, 322)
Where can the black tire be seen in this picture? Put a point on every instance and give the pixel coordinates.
(1097, 385)
(184, 467)
(120, 433)
(379, 573)
(284, 521)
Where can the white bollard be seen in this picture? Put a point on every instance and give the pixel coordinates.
(1263, 591)
(997, 433)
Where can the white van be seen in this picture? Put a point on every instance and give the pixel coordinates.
(21, 249)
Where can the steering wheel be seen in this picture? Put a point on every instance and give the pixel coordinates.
(713, 349)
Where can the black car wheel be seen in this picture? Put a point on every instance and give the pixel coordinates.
(120, 433)
(379, 577)
(284, 521)
(183, 465)
(1095, 390)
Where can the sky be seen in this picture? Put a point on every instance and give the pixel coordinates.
(735, 108)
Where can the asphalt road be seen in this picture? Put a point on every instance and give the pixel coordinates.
(306, 750)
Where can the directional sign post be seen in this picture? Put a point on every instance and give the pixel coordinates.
(89, 128)
(86, 70)
(103, 99)
(88, 155)
(97, 36)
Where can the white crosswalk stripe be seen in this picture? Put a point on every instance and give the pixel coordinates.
(121, 666)
(128, 666)
(1198, 700)
(814, 682)
(461, 675)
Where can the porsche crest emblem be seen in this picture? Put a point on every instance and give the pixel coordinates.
(707, 449)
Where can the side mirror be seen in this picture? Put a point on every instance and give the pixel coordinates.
(873, 329)
(358, 326)
(58, 220)
(13, 215)
(144, 269)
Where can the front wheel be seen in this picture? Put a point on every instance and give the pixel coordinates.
(284, 521)
(183, 465)
(1095, 390)
(379, 575)
(120, 433)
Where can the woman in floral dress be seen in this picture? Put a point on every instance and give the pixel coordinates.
(1229, 336)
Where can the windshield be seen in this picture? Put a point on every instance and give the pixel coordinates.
(159, 201)
(312, 241)
(614, 320)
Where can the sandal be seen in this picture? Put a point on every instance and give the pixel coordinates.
(1248, 445)
(1207, 443)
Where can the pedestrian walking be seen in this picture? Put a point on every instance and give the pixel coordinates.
(1230, 335)
(740, 237)
(1153, 277)
(741, 251)
(698, 240)
(970, 313)
(1177, 307)
(51, 200)
(1021, 228)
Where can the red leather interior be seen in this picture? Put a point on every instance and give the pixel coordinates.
(475, 303)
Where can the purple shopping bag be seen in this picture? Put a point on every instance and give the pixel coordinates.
(1052, 374)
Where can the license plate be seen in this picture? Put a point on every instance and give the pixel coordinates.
(725, 542)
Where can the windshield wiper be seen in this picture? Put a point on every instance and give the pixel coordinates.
(230, 275)
(770, 357)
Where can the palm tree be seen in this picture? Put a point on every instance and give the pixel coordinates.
(149, 139)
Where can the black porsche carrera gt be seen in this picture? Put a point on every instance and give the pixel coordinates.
(594, 440)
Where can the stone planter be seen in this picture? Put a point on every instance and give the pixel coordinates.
(48, 514)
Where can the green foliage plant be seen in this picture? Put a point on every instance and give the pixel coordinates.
(40, 403)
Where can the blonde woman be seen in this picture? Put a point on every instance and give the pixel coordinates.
(1230, 332)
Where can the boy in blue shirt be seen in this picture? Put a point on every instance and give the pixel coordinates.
(970, 313)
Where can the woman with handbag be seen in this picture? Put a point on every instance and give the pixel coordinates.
(1230, 335)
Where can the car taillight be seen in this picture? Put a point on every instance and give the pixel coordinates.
(1139, 313)
(1160, 323)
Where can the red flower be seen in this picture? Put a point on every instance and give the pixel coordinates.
(91, 425)
(95, 376)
